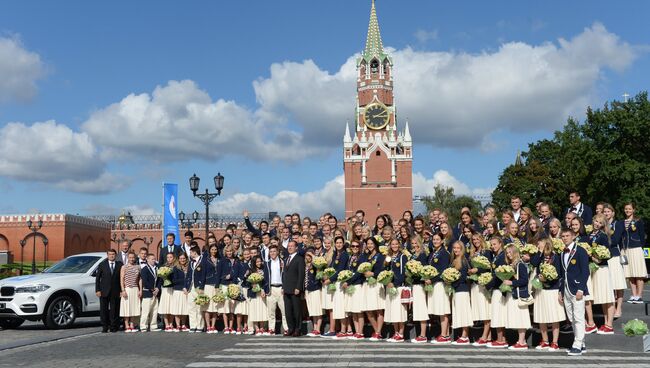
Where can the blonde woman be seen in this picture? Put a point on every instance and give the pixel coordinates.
(395, 312)
(166, 293)
(518, 315)
(479, 294)
(461, 309)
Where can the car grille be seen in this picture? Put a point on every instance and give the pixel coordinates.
(7, 291)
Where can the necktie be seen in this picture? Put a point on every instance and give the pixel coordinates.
(112, 267)
(170, 250)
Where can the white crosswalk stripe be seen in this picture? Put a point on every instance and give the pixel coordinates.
(270, 352)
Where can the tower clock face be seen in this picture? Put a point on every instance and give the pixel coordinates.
(376, 116)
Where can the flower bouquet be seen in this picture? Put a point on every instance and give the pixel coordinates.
(449, 276)
(413, 268)
(233, 291)
(366, 267)
(529, 249)
(165, 273)
(255, 279)
(558, 245)
(601, 253)
(589, 228)
(385, 278)
(201, 300)
(383, 249)
(343, 276)
(505, 272)
(427, 273)
(319, 263)
(484, 278)
(482, 263)
(219, 296)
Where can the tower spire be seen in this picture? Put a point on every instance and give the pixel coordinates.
(374, 46)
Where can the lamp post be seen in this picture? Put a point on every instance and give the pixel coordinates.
(22, 253)
(206, 197)
(34, 227)
(45, 241)
(189, 222)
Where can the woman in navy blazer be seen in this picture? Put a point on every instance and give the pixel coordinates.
(258, 312)
(210, 264)
(374, 294)
(633, 240)
(227, 275)
(437, 300)
(461, 309)
(518, 315)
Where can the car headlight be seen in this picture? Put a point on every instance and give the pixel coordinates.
(32, 288)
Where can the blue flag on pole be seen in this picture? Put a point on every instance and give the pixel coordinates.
(170, 211)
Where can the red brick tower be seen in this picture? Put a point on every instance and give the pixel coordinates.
(377, 159)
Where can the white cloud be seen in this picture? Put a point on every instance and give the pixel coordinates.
(20, 69)
(179, 121)
(424, 186)
(53, 153)
(424, 36)
(331, 197)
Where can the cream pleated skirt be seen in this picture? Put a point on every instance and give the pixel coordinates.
(374, 297)
(616, 273)
(165, 302)
(481, 307)
(499, 312)
(517, 317)
(327, 301)
(603, 291)
(130, 307)
(419, 305)
(338, 300)
(241, 306)
(547, 308)
(438, 301)
(314, 301)
(228, 306)
(461, 310)
(209, 291)
(636, 263)
(590, 287)
(395, 311)
(354, 301)
(179, 303)
(257, 310)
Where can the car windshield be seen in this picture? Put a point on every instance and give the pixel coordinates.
(77, 264)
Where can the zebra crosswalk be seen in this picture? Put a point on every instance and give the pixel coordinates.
(270, 352)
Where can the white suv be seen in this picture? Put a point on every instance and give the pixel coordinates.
(57, 296)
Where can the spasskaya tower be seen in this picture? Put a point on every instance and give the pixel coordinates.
(377, 158)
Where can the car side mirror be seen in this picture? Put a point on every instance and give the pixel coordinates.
(94, 273)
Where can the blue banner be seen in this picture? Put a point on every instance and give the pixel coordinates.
(170, 212)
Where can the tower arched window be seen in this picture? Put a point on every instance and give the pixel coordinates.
(374, 66)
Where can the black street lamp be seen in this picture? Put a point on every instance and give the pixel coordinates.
(189, 222)
(206, 197)
(22, 253)
(34, 228)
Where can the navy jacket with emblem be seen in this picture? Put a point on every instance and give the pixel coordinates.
(576, 272)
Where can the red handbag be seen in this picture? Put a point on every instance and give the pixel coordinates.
(405, 296)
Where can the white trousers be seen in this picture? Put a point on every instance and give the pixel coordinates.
(195, 312)
(575, 311)
(276, 299)
(149, 313)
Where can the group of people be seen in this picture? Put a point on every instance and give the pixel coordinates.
(504, 272)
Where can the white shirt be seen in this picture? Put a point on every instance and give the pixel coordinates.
(516, 214)
(276, 273)
(565, 256)
(265, 252)
(112, 266)
(143, 263)
(285, 243)
(186, 248)
(124, 256)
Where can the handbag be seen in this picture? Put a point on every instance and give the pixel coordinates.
(523, 302)
(405, 296)
(623, 258)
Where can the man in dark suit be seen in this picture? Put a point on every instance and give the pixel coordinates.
(169, 248)
(293, 284)
(579, 208)
(107, 288)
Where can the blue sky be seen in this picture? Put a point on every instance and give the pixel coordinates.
(260, 91)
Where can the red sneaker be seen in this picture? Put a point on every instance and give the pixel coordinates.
(553, 347)
(497, 345)
(375, 337)
(518, 346)
(419, 340)
(316, 333)
(590, 329)
(398, 338)
(542, 346)
(441, 340)
(340, 336)
(605, 330)
(480, 342)
(461, 341)
(358, 336)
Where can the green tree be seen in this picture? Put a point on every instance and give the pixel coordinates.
(606, 158)
(445, 199)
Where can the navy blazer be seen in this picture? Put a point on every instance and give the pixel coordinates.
(575, 274)
(264, 285)
(633, 238)
(357, 278)
(377, 262)
(439, 260)
(313, 283)
(498, 260)
(520, 281)
(196, 275)
(600, 238)
(555, 259)
(179, 278)
(461, 284)
(616, 235)
(423, 260)
(242, 270)
(150, 281)
(227, 271)
(339, 264)
(586, 215)
(398, 266)
(211, 273)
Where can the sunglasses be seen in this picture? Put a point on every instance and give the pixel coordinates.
(355, 246)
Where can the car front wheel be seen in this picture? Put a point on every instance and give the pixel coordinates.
(9, 323)
(60, 313)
